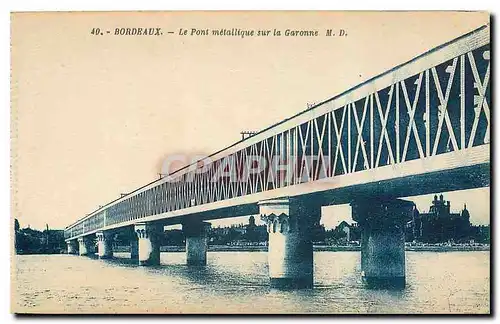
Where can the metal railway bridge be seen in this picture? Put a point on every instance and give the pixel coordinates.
(421, 127)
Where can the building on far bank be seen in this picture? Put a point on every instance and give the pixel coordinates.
(343, 234)
(439, 224)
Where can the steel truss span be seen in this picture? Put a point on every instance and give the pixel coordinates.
(427, 115)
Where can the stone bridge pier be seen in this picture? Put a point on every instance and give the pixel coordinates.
(196, 242)
(72, 246)
(105, 244)
(290, 223)
(134, 243)
(382, 224)
(148, 235)
(85, 245)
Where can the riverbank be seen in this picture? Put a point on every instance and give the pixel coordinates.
(329, 248)
(447, 248)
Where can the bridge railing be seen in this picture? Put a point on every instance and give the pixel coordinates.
(436, 103)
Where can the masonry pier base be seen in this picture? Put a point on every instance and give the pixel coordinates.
(85, 246)
(134, 247)
(148, 243)
(290, 254)
(382, 226)
(104, 244)
(196, 242)
(72, 246)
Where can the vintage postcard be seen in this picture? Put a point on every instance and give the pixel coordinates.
(307, 162)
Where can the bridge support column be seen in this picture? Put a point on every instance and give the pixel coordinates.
(196, 242)
(85, 246)
(134, 247)
(72, 246)
(104, 245)
(148, 243)
(290, 254)
(382, 225)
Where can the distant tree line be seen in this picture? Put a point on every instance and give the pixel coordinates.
(31, 241)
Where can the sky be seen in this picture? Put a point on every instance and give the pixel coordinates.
(96, 116)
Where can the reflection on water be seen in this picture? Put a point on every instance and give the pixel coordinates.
(237, 282)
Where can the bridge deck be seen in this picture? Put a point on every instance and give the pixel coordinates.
(396, 134)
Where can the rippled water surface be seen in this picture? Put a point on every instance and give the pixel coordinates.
(237, 282)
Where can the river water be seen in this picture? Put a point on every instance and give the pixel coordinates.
(237, 282)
